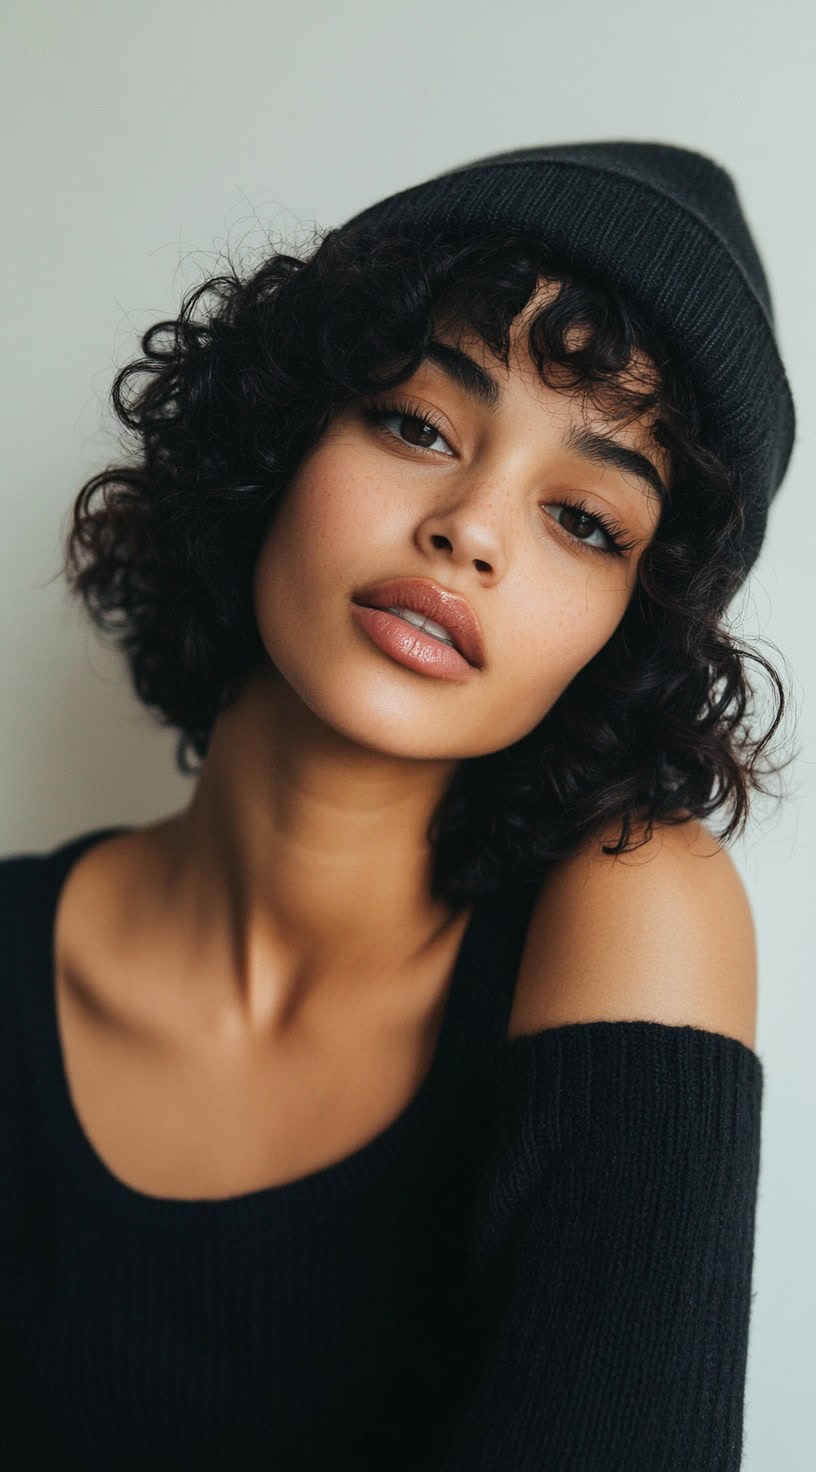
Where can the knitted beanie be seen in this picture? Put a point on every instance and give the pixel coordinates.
(664, 225)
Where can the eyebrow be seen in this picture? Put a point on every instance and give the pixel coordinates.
(481, 386)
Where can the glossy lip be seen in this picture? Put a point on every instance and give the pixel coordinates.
(423, 596)
(411, 646)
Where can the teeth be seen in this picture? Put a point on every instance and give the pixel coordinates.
(426, 624)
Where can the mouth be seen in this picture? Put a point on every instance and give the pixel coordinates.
(432, 610)
(415, 648)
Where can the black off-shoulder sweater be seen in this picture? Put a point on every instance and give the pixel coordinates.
(544, 1262)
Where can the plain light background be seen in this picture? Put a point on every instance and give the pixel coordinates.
(142, 139)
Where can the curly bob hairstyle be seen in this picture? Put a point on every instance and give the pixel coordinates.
(232, 393)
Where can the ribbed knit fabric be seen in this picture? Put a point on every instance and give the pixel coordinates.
(544, 1262)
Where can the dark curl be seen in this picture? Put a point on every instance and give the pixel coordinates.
(232, 393)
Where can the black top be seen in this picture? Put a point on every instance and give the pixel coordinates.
(543, 1262)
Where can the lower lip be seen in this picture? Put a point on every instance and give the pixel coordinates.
(410, 646)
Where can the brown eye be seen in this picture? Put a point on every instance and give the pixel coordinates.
(417, 430)
(420, 432)
(577, 522)
(579, 519)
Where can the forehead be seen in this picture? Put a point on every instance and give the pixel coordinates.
(639, 373)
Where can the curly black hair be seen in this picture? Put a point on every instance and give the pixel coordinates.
(243, 382)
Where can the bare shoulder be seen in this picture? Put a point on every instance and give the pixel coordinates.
(664, 932)
(99, 913)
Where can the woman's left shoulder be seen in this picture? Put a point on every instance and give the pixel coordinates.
(663, 932)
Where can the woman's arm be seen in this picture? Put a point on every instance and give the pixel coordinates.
(611, 1256)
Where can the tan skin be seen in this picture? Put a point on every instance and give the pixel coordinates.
(252, 988)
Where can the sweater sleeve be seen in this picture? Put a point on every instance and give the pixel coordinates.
(610, 1256)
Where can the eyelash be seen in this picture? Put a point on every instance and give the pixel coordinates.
(376, 414)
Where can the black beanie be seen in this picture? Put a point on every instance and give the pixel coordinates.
(665, 226)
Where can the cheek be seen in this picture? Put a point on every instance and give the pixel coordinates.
(328, 513)
(313, 552)
(553, 637)
(294, 537)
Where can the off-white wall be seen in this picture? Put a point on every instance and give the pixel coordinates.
(139, 138)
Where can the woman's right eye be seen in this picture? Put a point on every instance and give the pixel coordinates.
(423, 426)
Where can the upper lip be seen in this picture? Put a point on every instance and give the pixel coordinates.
(429, 599)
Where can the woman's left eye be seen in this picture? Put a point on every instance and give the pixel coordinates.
(583, 520)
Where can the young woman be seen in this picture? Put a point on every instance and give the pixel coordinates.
(395, 1104)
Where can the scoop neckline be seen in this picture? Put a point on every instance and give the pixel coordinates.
(287, 1199)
